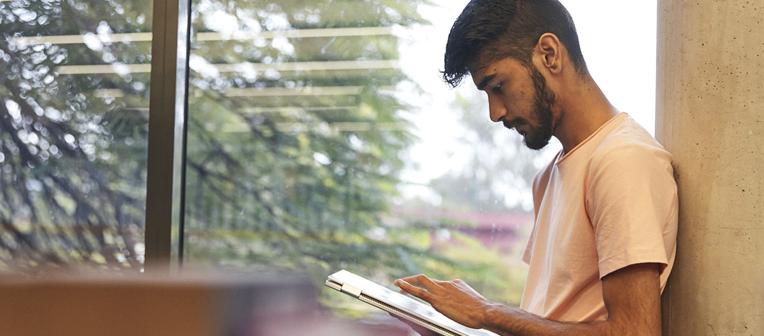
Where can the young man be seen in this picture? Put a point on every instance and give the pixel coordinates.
(604, 236)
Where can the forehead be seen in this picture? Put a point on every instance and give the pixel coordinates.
(507, 65)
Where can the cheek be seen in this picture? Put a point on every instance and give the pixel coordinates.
(527, 94)
(521, 101)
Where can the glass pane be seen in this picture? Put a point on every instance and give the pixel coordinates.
(73, 132)
(321, 137)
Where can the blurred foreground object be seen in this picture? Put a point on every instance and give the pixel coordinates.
(190, 305)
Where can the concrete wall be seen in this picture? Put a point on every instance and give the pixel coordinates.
(710, 115)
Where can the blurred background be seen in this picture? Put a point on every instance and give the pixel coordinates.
(320, 136)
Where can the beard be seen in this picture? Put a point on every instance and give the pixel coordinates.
(538, 137)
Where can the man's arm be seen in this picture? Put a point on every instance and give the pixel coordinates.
(631, 294)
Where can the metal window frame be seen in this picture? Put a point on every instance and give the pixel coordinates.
(165, 189)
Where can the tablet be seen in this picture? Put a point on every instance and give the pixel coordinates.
(399, 304)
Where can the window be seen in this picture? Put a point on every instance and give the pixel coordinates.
(320, 137)
(73, 132)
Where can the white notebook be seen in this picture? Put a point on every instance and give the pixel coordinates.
(399, 305)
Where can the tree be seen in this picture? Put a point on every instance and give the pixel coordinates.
(68, 195)
(286, 167)
(499, 170)
(305, 183)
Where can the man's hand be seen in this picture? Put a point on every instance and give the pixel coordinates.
(454, 299)
(631, 295)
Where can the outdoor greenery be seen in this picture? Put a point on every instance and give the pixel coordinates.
(286, 168)
(72, 161)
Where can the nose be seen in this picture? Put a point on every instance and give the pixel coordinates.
(496, 109)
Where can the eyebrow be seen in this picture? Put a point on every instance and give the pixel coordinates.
(485, 81)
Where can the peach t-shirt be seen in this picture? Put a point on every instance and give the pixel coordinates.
(608, 203)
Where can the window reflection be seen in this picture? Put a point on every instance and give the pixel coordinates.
(304, 131)
(73, 132)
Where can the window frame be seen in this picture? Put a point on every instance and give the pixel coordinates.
(165, 182)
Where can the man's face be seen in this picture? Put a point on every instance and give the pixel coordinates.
(519, 98)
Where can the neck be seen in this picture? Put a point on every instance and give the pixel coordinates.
(582, 111)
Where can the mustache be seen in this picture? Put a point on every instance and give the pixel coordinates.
(511, 124)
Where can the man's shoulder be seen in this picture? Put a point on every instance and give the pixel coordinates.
(629, 142)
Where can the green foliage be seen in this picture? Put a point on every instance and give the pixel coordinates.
(303, 181)
(286, 179)
(68, 194)
(282, 181)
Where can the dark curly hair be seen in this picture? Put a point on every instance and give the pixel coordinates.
(490, 30)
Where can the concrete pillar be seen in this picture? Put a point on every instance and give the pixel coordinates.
(710, 115)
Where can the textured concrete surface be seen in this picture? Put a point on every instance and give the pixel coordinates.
(710, 115)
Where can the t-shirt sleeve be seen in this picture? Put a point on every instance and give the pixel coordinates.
(631, 198)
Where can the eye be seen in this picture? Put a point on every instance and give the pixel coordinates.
(497, 88)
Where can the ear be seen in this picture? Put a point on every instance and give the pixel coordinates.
(549, 53)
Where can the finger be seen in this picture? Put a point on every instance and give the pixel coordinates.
(414, 290)
(465, 287)
(422, 280)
